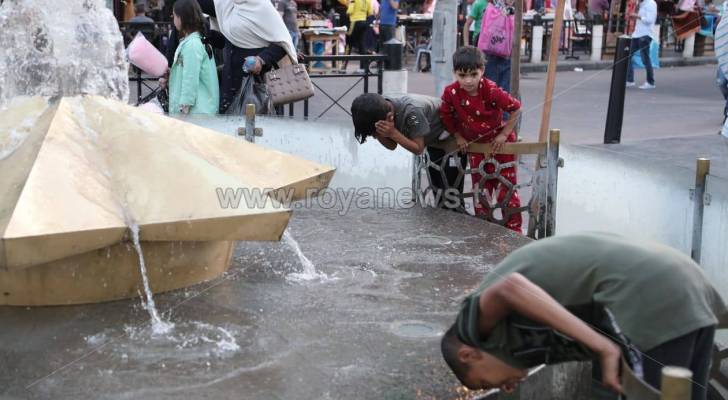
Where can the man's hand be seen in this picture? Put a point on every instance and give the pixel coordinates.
(609, 358)
(184, 109)
(385, 128)
(498, 143)
(462, 143)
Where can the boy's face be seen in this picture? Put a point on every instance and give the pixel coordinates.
(469, 80)
(488, 372)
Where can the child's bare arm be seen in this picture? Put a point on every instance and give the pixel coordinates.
(516, 294)
(387, 142)
(387, 134)
(502, 137)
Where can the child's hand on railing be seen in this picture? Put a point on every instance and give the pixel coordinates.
(498, 143)
(461, 143)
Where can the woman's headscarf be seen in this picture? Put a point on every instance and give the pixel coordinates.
(252, 24)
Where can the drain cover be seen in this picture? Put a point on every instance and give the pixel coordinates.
(415, 329)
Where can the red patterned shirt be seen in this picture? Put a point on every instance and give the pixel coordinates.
(479, 116)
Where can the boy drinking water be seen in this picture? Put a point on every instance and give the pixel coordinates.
(472, 110)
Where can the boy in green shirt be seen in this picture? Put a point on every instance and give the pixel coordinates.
(591, 296)
(475, 16)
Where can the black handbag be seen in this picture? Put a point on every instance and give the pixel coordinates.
(252, 91)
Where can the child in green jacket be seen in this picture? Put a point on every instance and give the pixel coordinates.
(193, 85)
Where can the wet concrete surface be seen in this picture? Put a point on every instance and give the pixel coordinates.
(369, 331)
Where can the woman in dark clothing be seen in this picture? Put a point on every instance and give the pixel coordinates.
(243, 29)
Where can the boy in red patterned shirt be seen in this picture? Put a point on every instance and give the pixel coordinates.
(472, 110)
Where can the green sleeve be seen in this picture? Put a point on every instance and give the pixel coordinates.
(476, 11)
(192, 64)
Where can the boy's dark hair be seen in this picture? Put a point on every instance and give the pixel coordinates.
(140, 8)
(467, 58)
(366, 110)
(450, 345)
(190, 15)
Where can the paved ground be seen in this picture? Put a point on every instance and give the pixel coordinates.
(685, 103)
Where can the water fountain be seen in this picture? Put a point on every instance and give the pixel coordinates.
(84, 169)
(112, 161)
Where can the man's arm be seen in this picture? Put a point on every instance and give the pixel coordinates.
(516, 294)
(466, 31)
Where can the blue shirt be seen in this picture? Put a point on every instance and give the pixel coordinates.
(387, 14)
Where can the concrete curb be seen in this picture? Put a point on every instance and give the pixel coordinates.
(607, 64)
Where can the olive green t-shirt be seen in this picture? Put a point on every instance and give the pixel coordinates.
(654, 292)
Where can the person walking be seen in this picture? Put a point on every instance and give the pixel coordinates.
(641, 40)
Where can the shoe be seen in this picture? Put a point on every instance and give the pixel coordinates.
(630, 84)
(647, 86)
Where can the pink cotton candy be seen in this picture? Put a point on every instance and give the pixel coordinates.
(146, 57)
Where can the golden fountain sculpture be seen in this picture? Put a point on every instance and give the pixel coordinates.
(77, 172)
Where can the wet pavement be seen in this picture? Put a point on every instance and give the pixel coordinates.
(394, 279)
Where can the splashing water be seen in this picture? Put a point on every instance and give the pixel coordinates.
(309, 272)
(159, 326)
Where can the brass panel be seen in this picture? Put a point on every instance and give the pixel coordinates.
(113, 273)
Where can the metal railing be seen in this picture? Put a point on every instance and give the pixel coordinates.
(363, 78)
(541, 207)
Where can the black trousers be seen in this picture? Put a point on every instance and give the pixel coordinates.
(357, 39)
(386, 32)
(693, 351)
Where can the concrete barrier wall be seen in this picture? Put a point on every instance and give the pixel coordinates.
(357, 165)
(609, 191)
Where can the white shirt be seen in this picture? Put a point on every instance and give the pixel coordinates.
(647, 18)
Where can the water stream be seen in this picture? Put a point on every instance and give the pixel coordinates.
(159, 326)
(309, 272)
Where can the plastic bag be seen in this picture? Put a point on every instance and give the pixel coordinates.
(496, 32)
(654, 57)
(252, 91)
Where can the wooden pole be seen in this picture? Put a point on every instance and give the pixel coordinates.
(676, 383)
(551, 75)
(516, 51)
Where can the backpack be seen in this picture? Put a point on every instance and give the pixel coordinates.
(496, 32)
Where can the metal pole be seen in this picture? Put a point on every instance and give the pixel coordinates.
(702, 171)
(380, 77)
(615, 109)
(552, 169)
(516, 51)
(250, 123)
(676, 383)
(366, 79)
